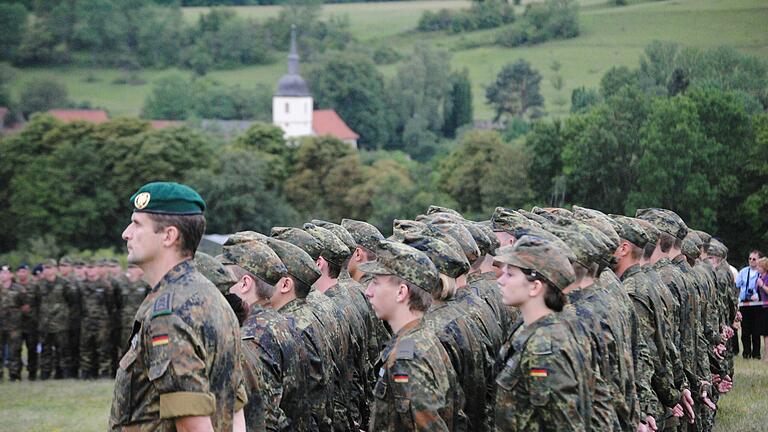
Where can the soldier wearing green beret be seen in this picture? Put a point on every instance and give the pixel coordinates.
(182, 370)
(542, 376)
(55, 299)
(416, 389)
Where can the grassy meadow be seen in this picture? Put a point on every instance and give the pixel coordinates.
(610, 36)
(68, 405)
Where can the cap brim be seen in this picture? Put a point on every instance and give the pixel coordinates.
(511, 259)
(376, 268)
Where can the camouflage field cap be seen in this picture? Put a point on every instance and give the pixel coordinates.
(540, 255)
(48, 262)
(484, 243)
(704, 236)
(257, 258)
(405, 262)
(78, 262)
(585, 251)
(214, 271)
(113, 262)
(365, 234)
(334, 250)
(532, 217)
(552, 210)
(439, 209)
(692, 245)
(299, 237)
(462, 235)
(167, 198)
(631, 231)
(493, 241)
(66, 260)
(244, 236)
(447, 259)
(665, 220)
(339, 231)
(400, 226)
(546, 235)
(651, 231)
(601, 221)
(298, 263)
(504, 219)
(717, 248)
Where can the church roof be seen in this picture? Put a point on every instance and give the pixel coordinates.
(327, 122)
(292, 84)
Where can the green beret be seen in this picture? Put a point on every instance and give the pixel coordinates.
(339, 231)
(539, 255)
(298, 263)
(665, 220)
(214, 271)
(334, 250)
(257, 258)
(167, 198)
(365, 234)
(299, 237)
(504, 219)
(447, 259)
(405, 262)
(631, 231)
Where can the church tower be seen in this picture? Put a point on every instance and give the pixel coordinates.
(292, 103)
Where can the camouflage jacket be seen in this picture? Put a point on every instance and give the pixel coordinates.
(55, 298)
(97, 300)
(539, 384)
(320, 365)
(696, 295)
(133, 294)
(259, 405)
(416, 389)
(11, 300)
(283, 359)
(485, 286)
(650, 310)
(76, 302)
(482, 315)
(184, 358)
(28, 293)
(471, 358)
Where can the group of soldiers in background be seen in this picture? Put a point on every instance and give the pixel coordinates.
(649, 321)
(73, 317)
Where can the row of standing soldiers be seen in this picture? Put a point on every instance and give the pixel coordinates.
(73, 317)
(651, 333)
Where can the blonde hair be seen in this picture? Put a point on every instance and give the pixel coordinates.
(447, 288)
(763, 263)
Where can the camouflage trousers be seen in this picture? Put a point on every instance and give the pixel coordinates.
(74, 346)
(55, 357)
(4, 339)
(17, 338)
(95, 356)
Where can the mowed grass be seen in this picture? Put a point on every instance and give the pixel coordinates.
(83, 406)
(610, 36)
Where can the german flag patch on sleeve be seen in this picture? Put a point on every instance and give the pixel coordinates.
(400, 378)
(160, 340)
(538, 372)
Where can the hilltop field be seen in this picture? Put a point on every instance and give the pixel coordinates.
(610, 36)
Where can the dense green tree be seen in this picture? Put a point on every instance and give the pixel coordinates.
(266, 140)
(13, 21)
(457, 106)
(171, 99)
(515, 92)
(582, 98)
(7, 74)
(214, 100)
(351, 85)
(41, 95)
(545, 144)
(483, 172)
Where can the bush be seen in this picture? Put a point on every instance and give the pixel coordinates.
(42, 95)
(386, 55)
(482, 15)
(541, 22)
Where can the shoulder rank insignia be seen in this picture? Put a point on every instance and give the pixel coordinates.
(162, 305)
(405, 350)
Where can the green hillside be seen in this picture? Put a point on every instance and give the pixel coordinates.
(610, 36)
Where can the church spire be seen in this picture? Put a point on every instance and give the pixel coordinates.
(293, 56)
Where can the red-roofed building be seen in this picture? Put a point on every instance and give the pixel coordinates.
(327, 122)
(70, 115)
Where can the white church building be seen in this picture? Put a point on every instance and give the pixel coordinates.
(292, 107)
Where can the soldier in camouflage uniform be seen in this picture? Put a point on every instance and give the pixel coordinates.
(541, 384)
(55, 299)
(119, 283)
(465, 344)
(10, 316)
(95, 357)
(183, 369)
(30, 308)
(271, 344)
(417, 389)
(67, 270)
(134, 292)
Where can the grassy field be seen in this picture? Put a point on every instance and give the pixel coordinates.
(69, 405)
(610, 36)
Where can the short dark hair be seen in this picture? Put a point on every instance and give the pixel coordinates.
(300, 288)
(419, 300)
(263, 289)
(333, 269)
(648, 251)
(666, 241)
(635, 252)
(191, 229)
(757, 251)
(554, 298)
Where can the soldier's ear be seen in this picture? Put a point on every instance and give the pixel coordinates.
(285, 285)
(537, 288)
(402, 292)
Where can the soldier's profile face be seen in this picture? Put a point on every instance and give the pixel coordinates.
(22, 274)
(382, 293)
(49, 273)
(5, 275)
(65, 269)
(141, 239)
(92, 273)
(513, 285)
